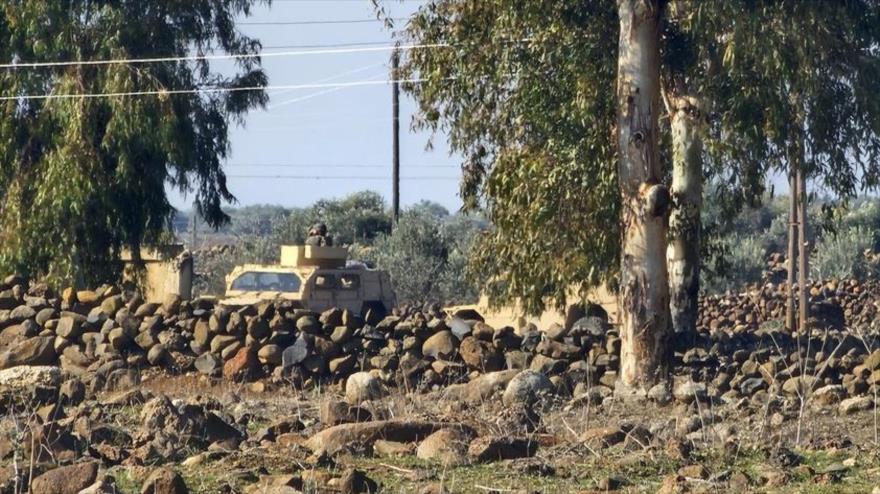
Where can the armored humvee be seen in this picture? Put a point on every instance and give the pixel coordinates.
(315, 278)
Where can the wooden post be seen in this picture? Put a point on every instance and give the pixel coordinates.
(395, 106)
(792, 249)
(195, 219)
(803, 254)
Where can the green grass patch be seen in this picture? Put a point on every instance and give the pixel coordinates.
(124, 483)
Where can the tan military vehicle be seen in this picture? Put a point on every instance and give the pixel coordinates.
(315, 278)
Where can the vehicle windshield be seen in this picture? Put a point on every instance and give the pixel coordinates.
(252, 281)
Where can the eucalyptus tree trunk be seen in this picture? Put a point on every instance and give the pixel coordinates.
(683, 253)
(644, 291)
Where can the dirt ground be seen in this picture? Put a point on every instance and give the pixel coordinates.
(736, 450)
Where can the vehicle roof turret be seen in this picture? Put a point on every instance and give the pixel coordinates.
(313, 256)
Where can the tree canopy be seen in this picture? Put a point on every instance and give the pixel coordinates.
(780, 60)
(355, 218)
(83, 177)
(526, 93)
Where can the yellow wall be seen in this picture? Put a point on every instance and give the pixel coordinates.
(512, 315)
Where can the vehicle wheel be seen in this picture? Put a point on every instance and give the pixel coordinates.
(373, 312)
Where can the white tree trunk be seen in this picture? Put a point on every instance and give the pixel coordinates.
(683, 253)
(644, 296)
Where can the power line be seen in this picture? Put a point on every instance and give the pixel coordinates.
(315, 94)
(234, 56)
(327, 45)
(317, 124)
(340, 75)
(314, 23)
(207, 90)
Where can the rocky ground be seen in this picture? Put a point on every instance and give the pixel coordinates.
(103, 393)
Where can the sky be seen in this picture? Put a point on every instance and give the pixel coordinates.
(310, 136)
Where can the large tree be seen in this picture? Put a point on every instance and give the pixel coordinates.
(683, 75)
(559, 128)
(526, 94)
(644, 291)
(510, 97)
(83, 177)
(796, 94)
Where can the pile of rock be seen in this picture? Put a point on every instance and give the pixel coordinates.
(107, 334)
(57, 352)
(834, 304)
(81, 439)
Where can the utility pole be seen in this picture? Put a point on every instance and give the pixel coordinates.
(790, 316)
(195, 219)
(395, 108)
(803, 252)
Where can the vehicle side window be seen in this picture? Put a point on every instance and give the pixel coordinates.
(247, 281)
(262, 281)
(349, 281)
(325, 282)
(290, 283)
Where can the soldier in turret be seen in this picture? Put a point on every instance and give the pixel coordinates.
(318, 236)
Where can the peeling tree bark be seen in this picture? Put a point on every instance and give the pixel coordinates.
(644, 296)
(683, 253)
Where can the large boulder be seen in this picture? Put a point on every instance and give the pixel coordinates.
(689, 391)
(171, 304)
(111, 305)
(363, 386)
(481, 388)
(335, 439)
(526, 388)
(447, 446)
(242, 366)
(39, 350)
(29, 377)
(334, 412)
(297, 353)
(208, 364)
(488, 448)
(158, 355)
(164, 481)
(480, 355)
(66, 480)
(439, 346)
(21, 314)
(855, 404)
(69, 328)
(270, 354)
(590, 326)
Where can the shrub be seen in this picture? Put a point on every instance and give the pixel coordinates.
(742, 262)
(426, 256)
(212, 265)
(841, 255)
(359, 217)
